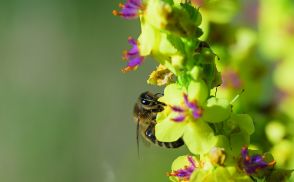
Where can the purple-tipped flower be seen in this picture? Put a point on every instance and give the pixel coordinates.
(187, 109)
(185, 173)
(132, 56)
(250, 164)
(130, 10)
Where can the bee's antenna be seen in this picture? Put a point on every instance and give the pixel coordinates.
(137, 137)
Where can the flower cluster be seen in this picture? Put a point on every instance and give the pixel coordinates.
(193, 112)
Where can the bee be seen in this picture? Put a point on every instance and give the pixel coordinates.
(145, 112)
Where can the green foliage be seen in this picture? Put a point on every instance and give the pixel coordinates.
(177, 43)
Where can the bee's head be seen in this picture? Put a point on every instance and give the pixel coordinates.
(149, 101)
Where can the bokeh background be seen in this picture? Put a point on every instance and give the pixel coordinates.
(65, 107)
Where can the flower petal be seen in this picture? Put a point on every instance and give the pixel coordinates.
(146, 39)
(173, 95)
(169, 131)
(199, 137)
(238, 140)
(163, 115)
(216, 110)
(245, 123)
(198, 91)
(201, 175)
(182, 161)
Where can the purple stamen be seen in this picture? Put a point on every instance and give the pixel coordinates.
(250, 164)
(177, 109)
(130, 9)
(197, 112)
(184, 111)
(179, 118)
(185, 173)
(190, 159)
(132, 56)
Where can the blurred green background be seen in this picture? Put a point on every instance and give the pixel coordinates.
(65, 107)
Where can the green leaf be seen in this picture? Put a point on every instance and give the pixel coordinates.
(177, 43)
(196, 72)
(193, 13)
(216, 110)
(170, 2)
(199, 32)
(165, 47)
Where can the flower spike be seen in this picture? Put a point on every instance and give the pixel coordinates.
(130, 10)
(132, 56)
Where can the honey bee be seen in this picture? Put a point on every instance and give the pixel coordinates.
(145, 112)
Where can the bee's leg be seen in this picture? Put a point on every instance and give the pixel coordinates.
(158, 95)
(159, 108)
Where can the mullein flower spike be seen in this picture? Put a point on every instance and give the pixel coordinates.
(251, 164)
(132, 56)
(170, 34)
(130, 10)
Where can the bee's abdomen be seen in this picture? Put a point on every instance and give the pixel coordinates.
(150, 134)
(174, 144)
